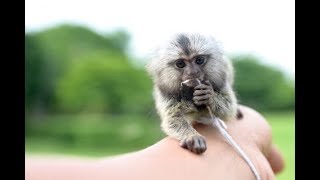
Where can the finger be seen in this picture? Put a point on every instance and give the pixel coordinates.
(196, 146)
(276, 160)
(190, 143)
(201, 92)
(201, 86)
(204, 102)
(201, 98)
(203, 146)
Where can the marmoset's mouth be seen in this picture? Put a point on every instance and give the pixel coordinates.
(191, 82)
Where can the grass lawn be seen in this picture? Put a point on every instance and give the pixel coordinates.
(105, 135)
(91, 135)
(283, 136)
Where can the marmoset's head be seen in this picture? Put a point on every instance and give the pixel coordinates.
(187, 56)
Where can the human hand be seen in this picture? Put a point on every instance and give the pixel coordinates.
(167, 160)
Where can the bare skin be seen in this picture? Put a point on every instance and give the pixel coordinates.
(167, 160)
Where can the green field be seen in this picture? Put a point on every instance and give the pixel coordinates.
(284, 137)
(106, 135)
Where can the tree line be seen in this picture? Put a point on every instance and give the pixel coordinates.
(72, 69)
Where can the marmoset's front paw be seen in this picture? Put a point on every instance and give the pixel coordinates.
(203, 94)
(196, 144)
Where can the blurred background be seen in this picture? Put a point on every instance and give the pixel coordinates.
(86, 90)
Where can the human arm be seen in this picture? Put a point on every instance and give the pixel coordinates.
(167, 160)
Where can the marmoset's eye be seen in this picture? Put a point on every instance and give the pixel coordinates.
(200, 60)
(180, 64)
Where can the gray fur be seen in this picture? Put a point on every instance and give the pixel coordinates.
(176, 114)
(184, 43)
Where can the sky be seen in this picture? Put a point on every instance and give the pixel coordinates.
(264, 28)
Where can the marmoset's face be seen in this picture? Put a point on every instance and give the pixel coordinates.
(187, 56)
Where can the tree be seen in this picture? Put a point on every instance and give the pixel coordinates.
(260, 86)
(38, 92)
(51, 52)
(104, 82)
